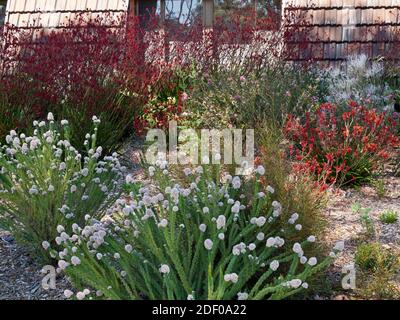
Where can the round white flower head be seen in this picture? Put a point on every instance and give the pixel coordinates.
(260, 170)
(270, 189)
(117, 256)
(303, 259)
(202, 227)
(339, 246)
(305, 285)
(45, 245)
(260, 236)
(298, 227)
(297, 248)
(86, 292)
(236, 183)
(311, 239)
(231, 277)
(99, 256)
(163, 223)
(208, 244)
(68, 293)
(206, 210)
(80, 295)
(251, 246)
(60, 229)
(261, 221)
(243, 296)
(128, 248)
(312, 261)
(221, 221)
(295, 283)
(221, 236)
(50, 117)
(75, 260)
(64, 122)
(274, 265)
(190, 297)
(270, 242)
(164, 269)
(62, 264)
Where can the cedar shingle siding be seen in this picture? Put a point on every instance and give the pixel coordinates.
(336, 28)
(51, 14)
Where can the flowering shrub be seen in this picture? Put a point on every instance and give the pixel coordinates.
(90, 67)
(342, 148)
(167, 99)
(213, 237)
(360, 80)
(45, 182)
(231, 98)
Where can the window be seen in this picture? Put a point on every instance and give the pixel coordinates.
(189, 12)
(184, 12)
(3, 5)
(260, 10)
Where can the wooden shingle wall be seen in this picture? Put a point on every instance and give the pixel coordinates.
(333, 29)
(51, 14)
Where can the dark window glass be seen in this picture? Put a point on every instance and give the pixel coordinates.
(3, 5)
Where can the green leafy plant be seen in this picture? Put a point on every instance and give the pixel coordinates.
(377, 267)
(367, 222)
(45, 183)
(389, 216)
(212, 237)
(379, 185)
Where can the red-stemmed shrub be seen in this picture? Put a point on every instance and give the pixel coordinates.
(341, 148)
(112, 66)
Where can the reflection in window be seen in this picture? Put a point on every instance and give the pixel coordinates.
(245, 7)
(3, 5)
(184, 12)
(226, 8)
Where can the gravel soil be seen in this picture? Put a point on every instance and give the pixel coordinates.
(345, 224)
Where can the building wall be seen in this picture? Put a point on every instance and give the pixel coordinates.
(49, 14)
(336, 28)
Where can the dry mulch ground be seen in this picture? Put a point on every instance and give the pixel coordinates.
(345, 224)
(20, 275)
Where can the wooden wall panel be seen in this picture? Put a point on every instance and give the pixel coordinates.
(348, 26)
(58, 13)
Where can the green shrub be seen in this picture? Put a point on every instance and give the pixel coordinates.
(228, 98)
(377, 267)
(45, 182)
(389, 216)
(295, 191)
(214, 237)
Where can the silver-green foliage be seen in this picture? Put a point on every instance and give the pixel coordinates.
(45, 182)
(211, 237)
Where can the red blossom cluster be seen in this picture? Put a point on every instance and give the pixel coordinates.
(341, 147)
